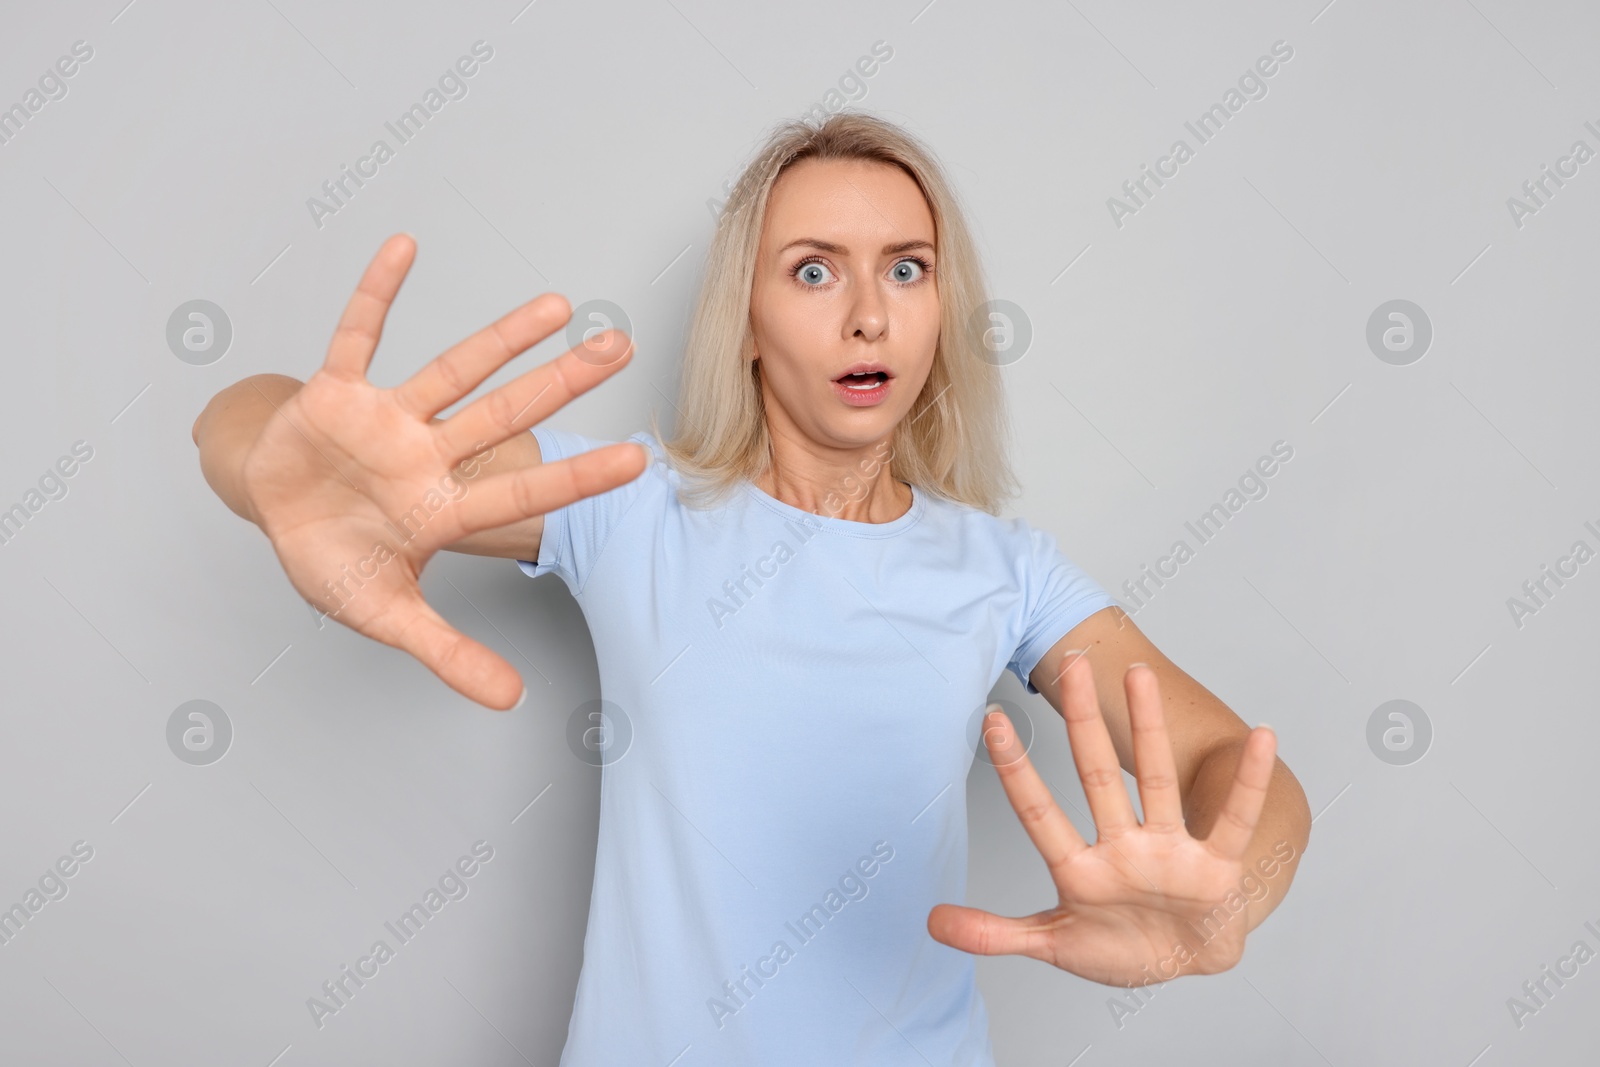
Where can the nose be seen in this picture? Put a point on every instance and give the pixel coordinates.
(869, 313)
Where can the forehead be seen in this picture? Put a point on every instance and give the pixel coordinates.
(860, 204)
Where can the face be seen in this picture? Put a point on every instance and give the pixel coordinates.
(844, 283)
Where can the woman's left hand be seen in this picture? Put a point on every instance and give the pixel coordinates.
(1145, 902)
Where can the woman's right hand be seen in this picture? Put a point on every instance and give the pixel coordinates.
(357, 486)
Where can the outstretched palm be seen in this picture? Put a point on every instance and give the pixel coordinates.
(358, 486)
(1144, 902)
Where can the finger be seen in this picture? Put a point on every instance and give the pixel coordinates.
(1092, 751)
(1048, 827)
(986, 934)
(356, 336)
(469, 667)
(528, 399)
(1236, 822)
(463, 367)
(541, 489)
(1153, 763)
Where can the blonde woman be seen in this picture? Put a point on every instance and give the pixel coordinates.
(799, 603)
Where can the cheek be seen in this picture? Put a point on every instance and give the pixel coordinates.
(918, 311)
(804, 320)
(802, 334)
(922, 333)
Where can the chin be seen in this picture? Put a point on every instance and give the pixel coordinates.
(864, 427)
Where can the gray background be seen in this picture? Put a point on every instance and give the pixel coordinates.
(1229, 313)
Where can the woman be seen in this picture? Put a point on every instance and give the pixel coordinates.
(799, 605)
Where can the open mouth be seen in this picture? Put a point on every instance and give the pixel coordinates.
(865, 385)
(863, 382)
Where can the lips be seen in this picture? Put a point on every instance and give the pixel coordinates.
(865, 387)
(864, 375)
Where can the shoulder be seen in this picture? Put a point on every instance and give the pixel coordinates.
(1016, 551)
(1008, 549)
(976, 524)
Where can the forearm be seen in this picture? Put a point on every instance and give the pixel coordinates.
(1280, 836)
(228, 427)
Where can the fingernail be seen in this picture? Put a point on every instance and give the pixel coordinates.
(520, 699)
(1264, 726)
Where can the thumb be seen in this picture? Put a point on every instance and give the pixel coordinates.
(470, 667)
(982, 932)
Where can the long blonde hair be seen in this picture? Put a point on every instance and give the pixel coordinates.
(952, 443)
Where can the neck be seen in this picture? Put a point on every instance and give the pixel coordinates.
(855, 484)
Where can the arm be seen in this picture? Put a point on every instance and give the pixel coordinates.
(357, 486)
(1207, 743)
(1149, 900)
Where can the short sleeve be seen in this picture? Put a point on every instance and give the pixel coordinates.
(1058, 595)
(575, 536)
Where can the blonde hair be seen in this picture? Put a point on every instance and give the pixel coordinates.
(953, 441)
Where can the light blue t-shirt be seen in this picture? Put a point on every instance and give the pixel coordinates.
(792, 707)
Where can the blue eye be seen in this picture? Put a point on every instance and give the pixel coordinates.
(807, 271)
(904, 264)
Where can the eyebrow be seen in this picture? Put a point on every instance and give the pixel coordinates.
(841, 250)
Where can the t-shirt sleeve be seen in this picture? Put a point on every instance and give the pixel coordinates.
(1058, 595)
(575, 536)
